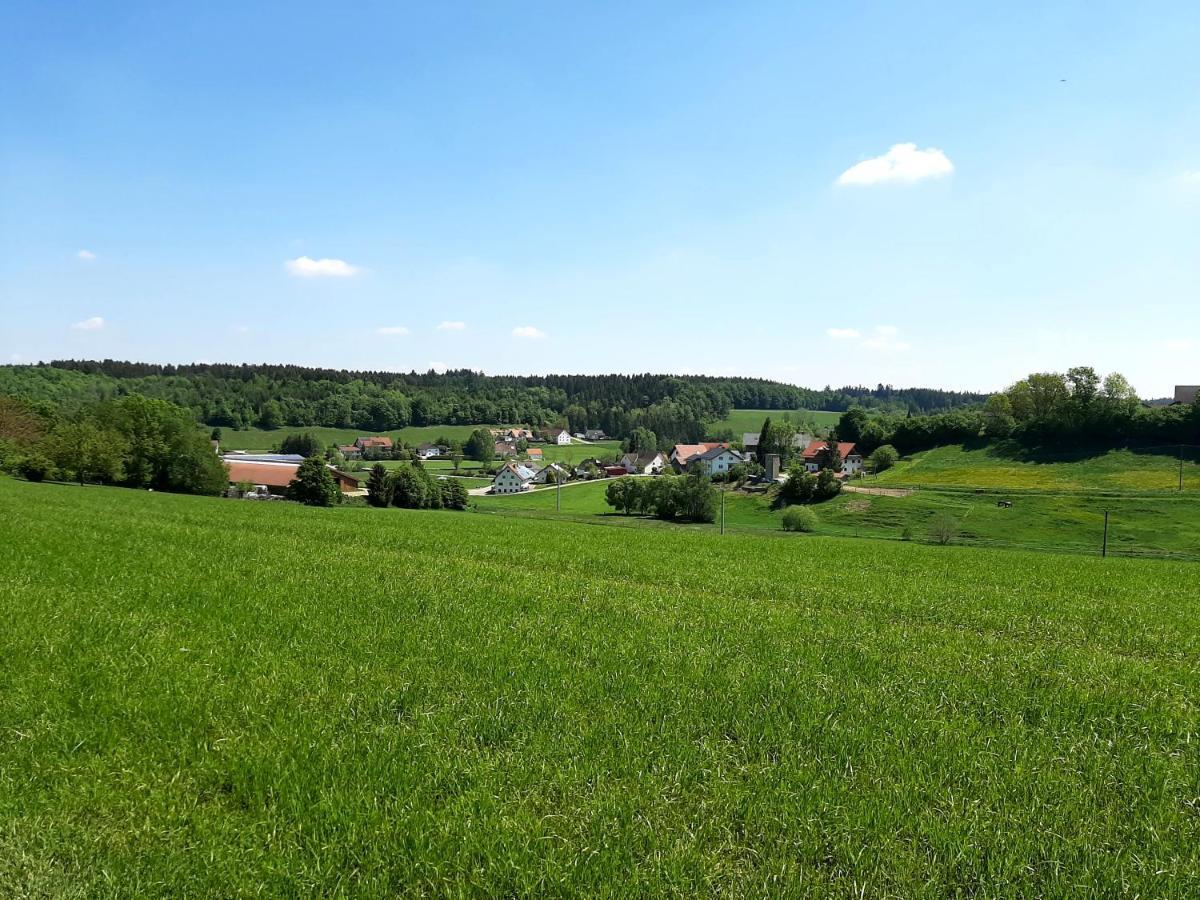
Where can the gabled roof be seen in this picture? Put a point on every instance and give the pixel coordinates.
(378, 441)
(817, 448)
(716, 452)
(685, 452)
(523, 472)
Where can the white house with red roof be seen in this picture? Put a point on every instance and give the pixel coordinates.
(683, 454)
(817, 452)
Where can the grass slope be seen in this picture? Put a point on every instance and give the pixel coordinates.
(1005, 467)
(216, 698)
(262, 440)
(1139, 525)
(740, 421)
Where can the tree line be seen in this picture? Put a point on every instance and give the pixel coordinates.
(676, 408)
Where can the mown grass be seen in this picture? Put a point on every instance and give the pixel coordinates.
(262, 440)
(741, 421)
(1006, 467)
(1145, 525)
(213, 698)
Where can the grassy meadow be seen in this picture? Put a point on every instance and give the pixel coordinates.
(262, 440)
(1006, 467)
(1151, 525)
(210, 697)
(741, 421)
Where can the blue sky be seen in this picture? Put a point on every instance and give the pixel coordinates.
(609, 187)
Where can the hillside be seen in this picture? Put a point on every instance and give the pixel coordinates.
(1006, 466)
(208, 697)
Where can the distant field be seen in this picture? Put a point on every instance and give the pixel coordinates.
(260, 439)
(1003, 467)
(210, 697)
(741, 421)
(1069, 522)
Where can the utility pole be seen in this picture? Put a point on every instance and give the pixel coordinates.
(1104, 548)
(722, 509)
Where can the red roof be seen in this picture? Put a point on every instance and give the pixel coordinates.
(364, 442)
(684, 452)
(277, 475)
(614, 471)
(816, 448)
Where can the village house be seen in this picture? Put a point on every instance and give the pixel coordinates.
(589, 466)
(428, 451)
(643, 463)
(717, 461)
(273, 477)
(683, 454)
(350, 451)
(374, 443)
(594, 434)
(551, 474)
(1186, 393)
(503, 449)
(800, 440)
(557, 436)
(535, 454)
(512, 479)
(815, 455)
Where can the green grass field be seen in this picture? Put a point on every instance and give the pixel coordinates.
(1138, 525)
(740, 421)
(262, 440)
(217, 698)
(1004, 467)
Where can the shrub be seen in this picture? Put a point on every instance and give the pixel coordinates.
(799, 518)
(884, 458)
(943, 528)
(314, 484)
(34, 467)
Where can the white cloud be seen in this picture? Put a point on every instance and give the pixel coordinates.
(903, 163)
(306, 267)
(86, 255)
(95, 323)
(842, 334)
(528, 331)
(392, 329)
(452, 326)
(886, 337)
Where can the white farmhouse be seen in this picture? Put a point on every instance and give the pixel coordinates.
(512, 479)
(718, 460)
(644, 463)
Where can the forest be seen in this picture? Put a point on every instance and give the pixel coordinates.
(676, 408)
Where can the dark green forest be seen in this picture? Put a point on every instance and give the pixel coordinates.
(271, 396)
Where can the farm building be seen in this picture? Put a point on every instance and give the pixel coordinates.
(1186, 393)
(717, 461)
(276, 476)
(815, 457)
(644, 463)
(594, 434)
(799, 441)
(551, 474)
(504, 449)
(374, 443)
(685, 453)
(557, 436)
(512, 479)
(614, 471)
